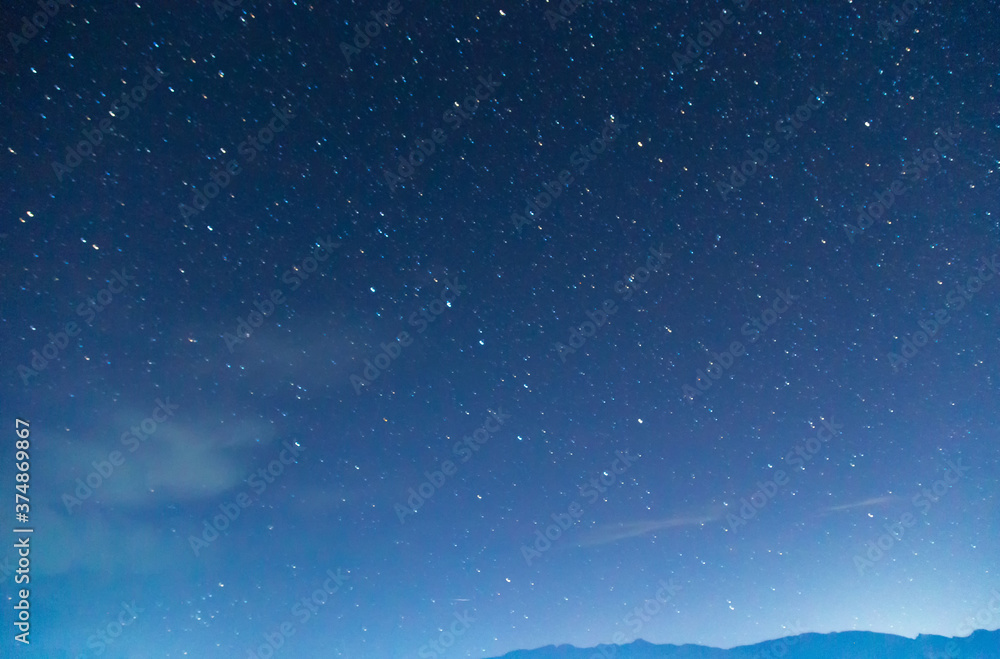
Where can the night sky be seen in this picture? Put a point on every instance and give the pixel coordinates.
(482, 329)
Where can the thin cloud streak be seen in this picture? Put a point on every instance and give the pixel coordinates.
(626, 530)
(875, 501)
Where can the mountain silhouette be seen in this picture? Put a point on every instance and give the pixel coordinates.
(839, 645)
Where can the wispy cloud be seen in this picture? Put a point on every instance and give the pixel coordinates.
(614, 533)
(875, 501)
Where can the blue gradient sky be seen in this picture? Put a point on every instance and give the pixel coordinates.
(403, 255)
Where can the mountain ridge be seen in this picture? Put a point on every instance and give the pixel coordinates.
(981, 644)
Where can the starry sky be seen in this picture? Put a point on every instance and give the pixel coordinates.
(476, 331)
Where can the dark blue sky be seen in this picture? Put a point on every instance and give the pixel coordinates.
(484, 329)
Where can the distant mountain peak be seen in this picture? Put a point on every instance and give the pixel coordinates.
(980, 644)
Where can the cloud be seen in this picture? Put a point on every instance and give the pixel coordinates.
(97, 542)
(185, 459)
(875, 501)
(139, 512)
(625, 530)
